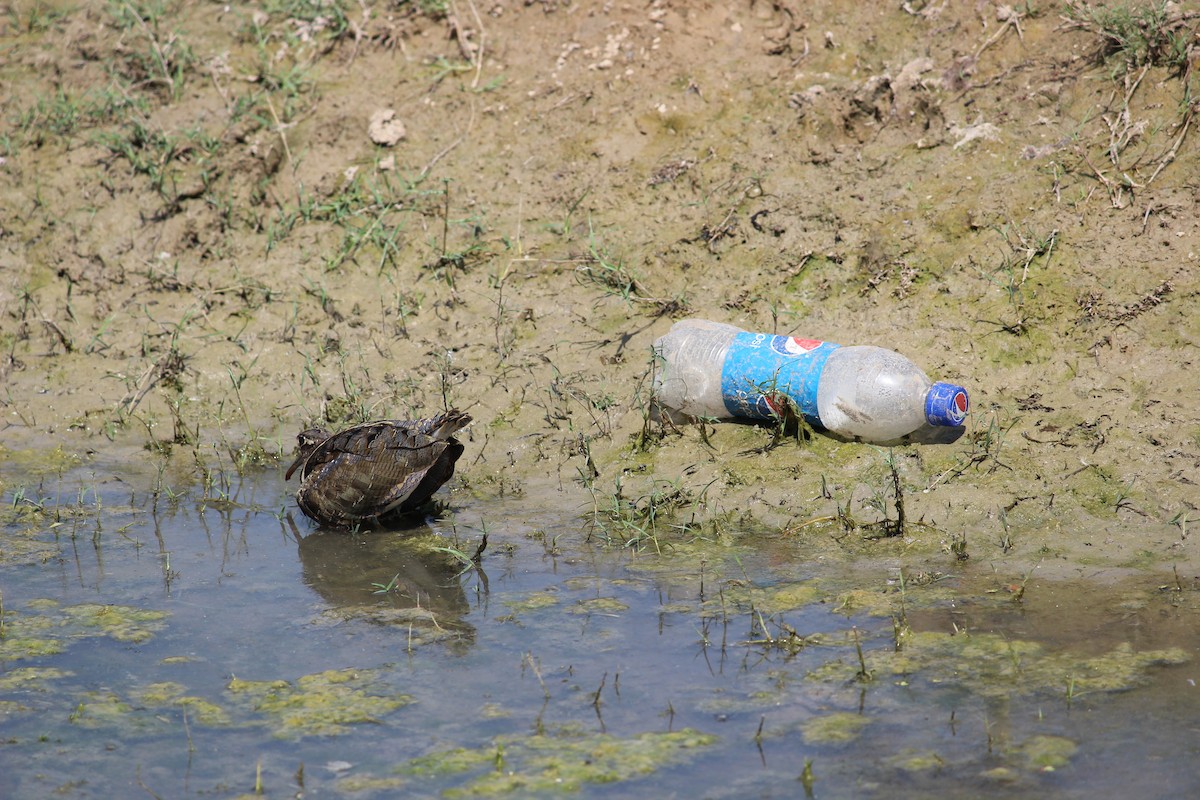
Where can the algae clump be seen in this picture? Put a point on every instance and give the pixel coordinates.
(524, 765)
(34, 635)
(837, 728)
(123, 623)
(996, 666)
(30, 679)
(599, 605)
(532, 602)
(171, 695)
(321, 704)
(1047, 753)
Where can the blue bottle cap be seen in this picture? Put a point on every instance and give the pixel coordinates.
(946, 404)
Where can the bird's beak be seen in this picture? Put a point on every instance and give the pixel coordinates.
(300, 459)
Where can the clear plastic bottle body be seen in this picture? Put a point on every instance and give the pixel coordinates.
(872, 394)
(687, 377)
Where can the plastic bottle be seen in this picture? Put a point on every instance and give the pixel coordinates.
(710, 369)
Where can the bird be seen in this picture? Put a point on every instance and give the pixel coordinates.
(375, 472)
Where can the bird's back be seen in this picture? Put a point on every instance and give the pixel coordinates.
(380, 468)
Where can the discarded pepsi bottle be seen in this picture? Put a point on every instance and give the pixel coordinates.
(710, 369)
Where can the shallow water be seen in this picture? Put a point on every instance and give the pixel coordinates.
(190, 647)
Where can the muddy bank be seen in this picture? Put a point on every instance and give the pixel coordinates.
(206, 246)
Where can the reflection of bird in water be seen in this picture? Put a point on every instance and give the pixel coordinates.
(391, 581)
(375, 472)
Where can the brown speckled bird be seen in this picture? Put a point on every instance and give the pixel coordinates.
(372, 473)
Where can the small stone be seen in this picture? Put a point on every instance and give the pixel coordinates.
(384, 129)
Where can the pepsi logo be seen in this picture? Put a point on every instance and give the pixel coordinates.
(958, 406)
(794, 346)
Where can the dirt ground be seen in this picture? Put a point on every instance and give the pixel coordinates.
(222, 222)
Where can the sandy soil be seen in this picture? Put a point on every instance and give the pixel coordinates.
(219, 224)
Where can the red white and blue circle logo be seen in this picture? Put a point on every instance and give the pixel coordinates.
(793, 346)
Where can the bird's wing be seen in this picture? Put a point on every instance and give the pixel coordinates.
(370, 469)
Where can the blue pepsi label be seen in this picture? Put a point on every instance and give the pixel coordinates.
(764, 374)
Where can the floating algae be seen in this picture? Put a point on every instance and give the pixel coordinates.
(104, 709)
(524, 765)
(420, 626)
(1047, 753)
(321, 704)
(31, 679)
(447, 762)
(123, 623)
(369, 783)
(916, 761)
(996, 666)
(836, 728)
(533, 601)
(738, 596)
(169, 694)
(599, 605)
(45, 632)
(25, 681)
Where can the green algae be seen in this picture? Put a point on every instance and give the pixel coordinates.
(599, 605)
(1001, 775)
(768, 600)
(836, 728)
(47, 632)
(494, 711)
(321, 704)
(15, 646)
(447, 762)
(12, 708)
(921, 591)
(524, 765)
(675, 608)
(161, 694)
(420, 626)
(533, 601)
(39, 463)
(996, 666)
(26, 546)
(169, 694)
(916, 761)
(31, 679)
(1047, 753)
(363, 783)
(123, 623)
(203, 711)
(1039, 753)
(177, 660)
(104, 709)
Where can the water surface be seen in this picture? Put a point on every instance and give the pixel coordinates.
(205, 643)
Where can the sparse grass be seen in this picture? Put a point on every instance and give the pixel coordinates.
(384, 588)
(608, 272)
(39, 17)
(638, 522)
(311, 18)
(893, 485)
(1135, 37)
(1136, 34)
(153, 57)
(1025, 248)
(179, 166)
(986, 445)
(64, 114)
